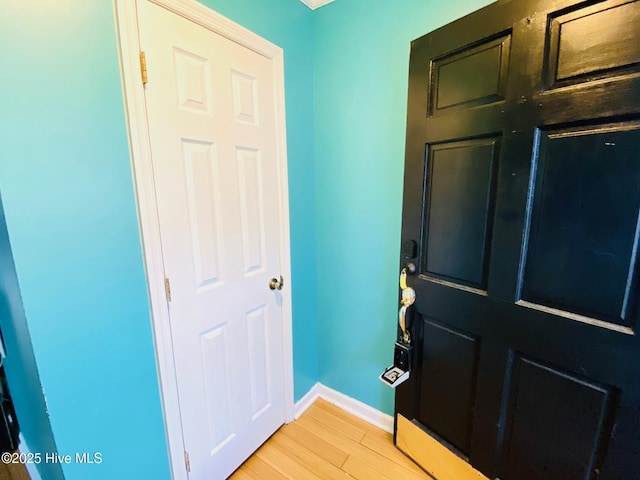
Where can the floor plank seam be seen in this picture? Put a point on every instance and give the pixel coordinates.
(328, 443)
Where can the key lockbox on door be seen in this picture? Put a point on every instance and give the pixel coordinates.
(400, 370)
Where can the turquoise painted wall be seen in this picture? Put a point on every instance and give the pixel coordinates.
(66, 181)
(360, 78)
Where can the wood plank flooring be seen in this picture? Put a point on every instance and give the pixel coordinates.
(326, 443)
(13, 471)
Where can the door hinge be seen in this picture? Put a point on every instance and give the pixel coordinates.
(187, 463)
(167, 289)
(143, 68)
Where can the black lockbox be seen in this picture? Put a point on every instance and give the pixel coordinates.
(402, 356)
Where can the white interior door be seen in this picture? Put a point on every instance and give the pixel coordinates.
(210, 110)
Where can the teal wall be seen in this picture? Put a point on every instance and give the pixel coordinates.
(66, 184)
(360, 77)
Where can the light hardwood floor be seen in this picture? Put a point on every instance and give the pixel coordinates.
(13, 471)
(327, 443)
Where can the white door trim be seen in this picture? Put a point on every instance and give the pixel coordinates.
(139, 144)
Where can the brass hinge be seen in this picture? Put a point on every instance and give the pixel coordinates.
(143, 68)
(167, 289)
(187, 463)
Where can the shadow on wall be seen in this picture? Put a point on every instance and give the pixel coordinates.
(20, 367)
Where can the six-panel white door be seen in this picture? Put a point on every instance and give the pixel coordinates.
(210, 108)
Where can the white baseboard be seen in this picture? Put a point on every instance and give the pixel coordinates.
(306, 401)
(346, 403)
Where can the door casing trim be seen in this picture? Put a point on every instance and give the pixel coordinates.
(126, 19)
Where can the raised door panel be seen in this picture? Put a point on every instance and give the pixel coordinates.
(556, 423)
(194, 90)
(205, 218)
(260, 361)
(460, 186)
(472, 76)
(583, 237)
(250, 174)
(214, 351)
(591, 42)
(448, 382)
(245, 98)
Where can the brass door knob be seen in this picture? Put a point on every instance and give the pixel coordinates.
(275, 284)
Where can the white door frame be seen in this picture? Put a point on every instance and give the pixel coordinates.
(139, 144)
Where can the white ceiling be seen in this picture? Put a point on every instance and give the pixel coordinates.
(313, 4)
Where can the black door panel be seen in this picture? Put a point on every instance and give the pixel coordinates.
(584, 213)
(460, 184)
(522, 190)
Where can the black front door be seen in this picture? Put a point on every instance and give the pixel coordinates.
(522, 192)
